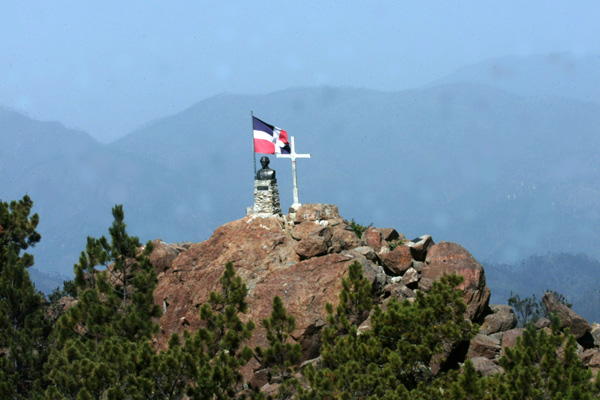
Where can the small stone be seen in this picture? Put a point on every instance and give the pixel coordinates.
(372, 237)
(410, 277)
(486, 367)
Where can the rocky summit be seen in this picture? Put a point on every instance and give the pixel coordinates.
(302, 257)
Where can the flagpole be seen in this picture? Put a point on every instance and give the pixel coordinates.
(253, 147)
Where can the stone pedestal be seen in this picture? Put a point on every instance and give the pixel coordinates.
(266, 197)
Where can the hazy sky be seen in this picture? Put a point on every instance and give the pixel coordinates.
(108, 67)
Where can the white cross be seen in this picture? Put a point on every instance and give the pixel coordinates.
(293, 156)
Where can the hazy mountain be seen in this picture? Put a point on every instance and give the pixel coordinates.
(503, 174)
(74, 181)
(552, 75)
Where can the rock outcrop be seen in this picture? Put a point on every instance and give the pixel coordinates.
(569, 319)
(302, 258)
(446, 257)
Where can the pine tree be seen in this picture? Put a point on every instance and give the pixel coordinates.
(215, 352)
(115, 284)
(103, 348)
(17, 231)
(469, 385)
(281, 355)
(535, 369)
(353, 364)
(393, 358)
(417, 331)
(23, 329)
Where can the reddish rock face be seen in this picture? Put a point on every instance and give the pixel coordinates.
(445, 258)
(301, 258)
(266, 256)
(397, 261)
(372, 237)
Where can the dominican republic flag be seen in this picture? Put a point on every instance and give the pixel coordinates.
(269, 139)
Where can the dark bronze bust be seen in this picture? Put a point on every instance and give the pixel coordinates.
(265, 173)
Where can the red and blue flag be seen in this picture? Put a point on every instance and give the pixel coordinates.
(269, 139)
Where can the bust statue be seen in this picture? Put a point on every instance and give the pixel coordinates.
(265, 173)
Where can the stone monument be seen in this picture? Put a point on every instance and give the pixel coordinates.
(266, 192)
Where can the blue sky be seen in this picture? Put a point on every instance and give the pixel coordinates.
(107, 67)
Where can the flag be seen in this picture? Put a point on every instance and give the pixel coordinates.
(269, 139)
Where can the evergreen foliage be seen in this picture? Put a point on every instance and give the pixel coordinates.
(216, 352)
(357, 228)
(17, 231)
(101, 348)
(543, 366)
(394, 356)
(281, 355)
(115, 283)
(102, 342)
(23, 329)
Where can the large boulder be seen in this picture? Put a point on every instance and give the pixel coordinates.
(343, 238)
(420, 246)
(163, 255)
(501, 319)
(314, 241)
(446, 258)
(578, 326)
(390, 235)
(397, 261)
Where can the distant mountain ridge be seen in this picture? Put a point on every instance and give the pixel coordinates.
(505, 174)
(550, 75)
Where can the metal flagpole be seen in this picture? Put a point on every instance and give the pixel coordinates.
(253, 148)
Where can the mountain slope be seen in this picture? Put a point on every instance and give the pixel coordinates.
(505, 175)
(501, 173)
(74, 181)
